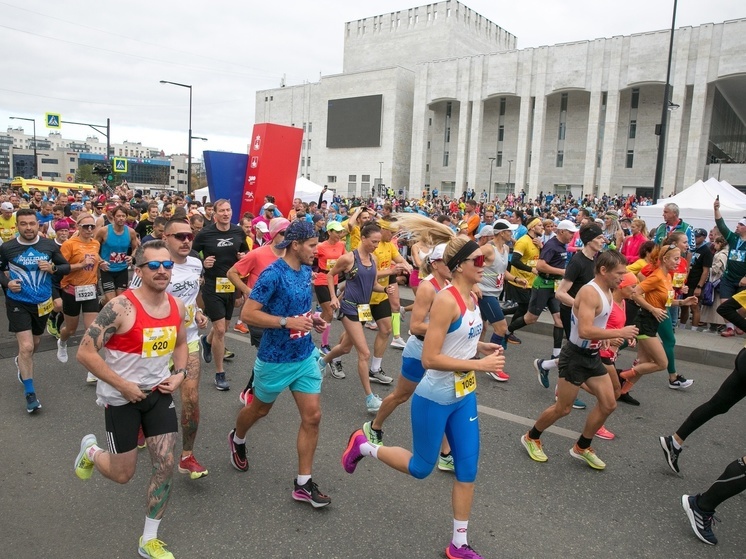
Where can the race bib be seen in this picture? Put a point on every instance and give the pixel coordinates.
(465, 383)
(330, 264)
(85, 292)
(363, 313)
(678, 279)
(157, 342)
(46, 307)
(556, 285)
(224, 285)
(669, 299)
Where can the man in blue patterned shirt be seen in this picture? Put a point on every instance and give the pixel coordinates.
(281, 304)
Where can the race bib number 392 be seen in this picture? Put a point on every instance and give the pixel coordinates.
(157, 342)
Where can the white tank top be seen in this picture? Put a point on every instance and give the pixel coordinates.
(599, 321)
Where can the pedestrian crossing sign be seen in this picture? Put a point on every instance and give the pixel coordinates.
(120, 165)
(53, 120)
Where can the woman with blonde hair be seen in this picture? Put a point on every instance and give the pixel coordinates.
(709, 315)
(631, 245)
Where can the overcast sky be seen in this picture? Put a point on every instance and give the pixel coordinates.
(89, 60)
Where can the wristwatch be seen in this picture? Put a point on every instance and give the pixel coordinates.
(283, 322)
(181, 371)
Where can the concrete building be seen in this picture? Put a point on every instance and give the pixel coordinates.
(457, 103)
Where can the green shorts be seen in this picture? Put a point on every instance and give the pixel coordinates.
(270, 379)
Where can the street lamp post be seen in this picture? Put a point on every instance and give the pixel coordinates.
(489, 187)
(189, 155)
(36, 163)
(510, 164)
(380, 172)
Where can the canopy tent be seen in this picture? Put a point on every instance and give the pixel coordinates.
(695, 205)
(199, 193)
(309, 191)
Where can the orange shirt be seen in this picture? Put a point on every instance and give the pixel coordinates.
(472, 225)
(74, 250)
(658, 289)
(328, 255)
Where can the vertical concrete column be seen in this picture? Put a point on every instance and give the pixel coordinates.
(472, 176)
(539, 122)
(525, 81)
(672, 173)
(594, 114)
(420, 130)
(611, 126)
(464, 125)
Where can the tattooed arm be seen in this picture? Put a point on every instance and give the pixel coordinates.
(118, 314)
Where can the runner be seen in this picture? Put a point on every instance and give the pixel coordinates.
(221, 244)
(54, 322)
(580, 362)
(140, 332)
(523, 263)
(27, 263)
(118, 241)
(445, 401)
(328, 253)
(281, 304)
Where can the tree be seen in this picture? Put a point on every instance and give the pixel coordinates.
(85, 174)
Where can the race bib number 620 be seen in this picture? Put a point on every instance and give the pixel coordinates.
(157, 342)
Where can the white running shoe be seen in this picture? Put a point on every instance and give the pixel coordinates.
(61, 351)
(373, 403)
(380, 377)
(90, 379)
(398, 343)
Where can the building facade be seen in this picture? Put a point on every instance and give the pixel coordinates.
(463, 108)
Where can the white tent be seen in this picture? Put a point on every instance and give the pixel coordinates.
(695, 205)
(199, 193)
(309, 191)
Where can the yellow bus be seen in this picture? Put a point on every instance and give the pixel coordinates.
(63, 187)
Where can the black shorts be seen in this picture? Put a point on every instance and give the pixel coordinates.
(156, 414)
(322, 293)
(113, 281)
(23, 317)
(542, 299)
(381, 310)
(55, 292)
(256, 335)
(578, 365)
(218, 306)
(518, 294)
(71, 307)
(647, 324)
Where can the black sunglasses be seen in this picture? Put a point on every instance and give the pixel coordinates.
(156, 264)
(181, 237)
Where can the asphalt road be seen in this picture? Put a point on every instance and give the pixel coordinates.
(522, 509)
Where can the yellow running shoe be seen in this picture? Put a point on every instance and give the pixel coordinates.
(84, 466)
(154, 549)
(588, 455)
(533, 447)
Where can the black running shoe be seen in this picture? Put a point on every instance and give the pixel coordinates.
(238, 453)
(700, 521)
(309, 492)
(670, 452)
(628, 399)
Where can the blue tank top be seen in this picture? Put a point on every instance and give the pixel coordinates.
(114, 250)
(359, 286)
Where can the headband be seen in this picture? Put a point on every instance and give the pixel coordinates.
(461, 256)
(534, 222)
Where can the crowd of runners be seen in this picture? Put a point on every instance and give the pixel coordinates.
(150, 276)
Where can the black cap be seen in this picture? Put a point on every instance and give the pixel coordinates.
(700, 232)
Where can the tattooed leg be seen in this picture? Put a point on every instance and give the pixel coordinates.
(190, 404)
(161, 449)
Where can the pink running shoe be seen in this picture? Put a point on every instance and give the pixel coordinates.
(499, 376)
(351, 455)
(604, 433)
(463, 552)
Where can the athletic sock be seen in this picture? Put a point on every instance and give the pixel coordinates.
(302, 480)
(499, 340)
(375, 364)
(91, 452)
(558, 334)
(534, 433)
(150, 531)
(583, 443)
(28, 386)
(459, 533)
(238, 440)
(369, 449)
(325, 335)
(675, 444)
(550, 364)
(396, 324)
(730, 483)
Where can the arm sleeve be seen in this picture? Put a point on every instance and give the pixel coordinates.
(60, 261)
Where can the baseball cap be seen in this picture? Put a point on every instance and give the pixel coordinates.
(438, 252)
(485, 231)
(6, 207)
(316, 218)
(700, 232)
(567, 225)
(76, 206)
(269, 206)
(277, 225)
(504, 225)
(298, 231)
(742, 221)
(334, 226)
(261, 226)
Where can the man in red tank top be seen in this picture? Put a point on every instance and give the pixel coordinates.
(140, 331)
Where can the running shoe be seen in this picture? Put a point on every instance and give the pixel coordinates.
(374, 436)
(605, 434)
(189, 465)
(90, 378)
(351, 456)
(499, 376)
(699, 520)
(398, 343)
(680, 383)
(371, 325)
(61, 351)
(32, 402)
(206, 349)
(52, 327)
(670, 452)
(309, 492)
(154, 549)
(543, 374)
(578, 404)
(463, 552)
(18, 369)
(373, 403)
(220, 382)
(228, 354)
(728, 333)
(238, 453)
(513, 339)
(445, 463)
(380, 377)
(141, 443)
(246, 396)
(628, 399)
(325, 349)
(321, 364)
(84, 466)
(587, 455)
(336, 369)
(241, 328)
(534, 449)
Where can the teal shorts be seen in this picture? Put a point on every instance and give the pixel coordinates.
(270, 379)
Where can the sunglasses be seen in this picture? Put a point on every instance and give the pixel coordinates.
(156, 264)
(181, 237)
(478, 261)
(89, 226)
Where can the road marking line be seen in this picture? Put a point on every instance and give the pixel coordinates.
(526, 421)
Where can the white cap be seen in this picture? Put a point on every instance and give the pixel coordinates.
(438, 252)
(567, 225)
(6, 207)
(261, 226)
(486, 231)
(503, 225)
